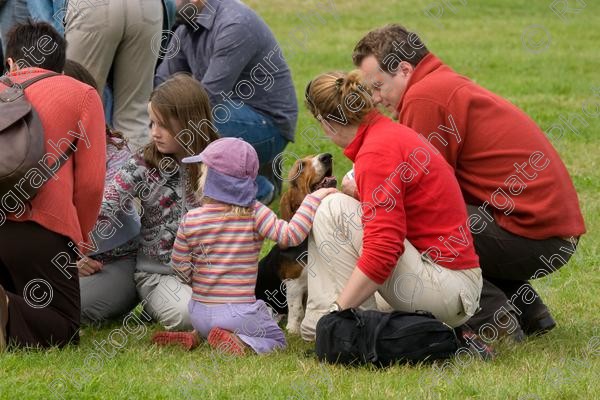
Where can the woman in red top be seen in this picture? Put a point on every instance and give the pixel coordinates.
(413, 246)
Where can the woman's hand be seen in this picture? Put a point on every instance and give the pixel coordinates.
(88, 266)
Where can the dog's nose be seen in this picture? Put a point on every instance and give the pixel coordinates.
(325, 158)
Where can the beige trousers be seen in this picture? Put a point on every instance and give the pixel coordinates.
(122, 35)
(416, 283)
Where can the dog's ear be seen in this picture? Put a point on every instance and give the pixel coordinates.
(285, 204)
(295, 254)
(305, 184)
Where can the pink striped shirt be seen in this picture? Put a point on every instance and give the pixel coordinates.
(219, 250)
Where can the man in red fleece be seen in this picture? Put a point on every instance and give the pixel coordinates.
(40, 236)
(524, 211)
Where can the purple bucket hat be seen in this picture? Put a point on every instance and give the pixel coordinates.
(232, 169)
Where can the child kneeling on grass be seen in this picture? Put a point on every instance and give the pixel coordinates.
(218, 245)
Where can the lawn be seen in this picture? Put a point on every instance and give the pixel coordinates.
(545, 62)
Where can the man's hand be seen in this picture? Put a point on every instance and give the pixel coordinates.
(87, 266)
(324, 192)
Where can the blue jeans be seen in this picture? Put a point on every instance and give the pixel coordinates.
(51, 11)
(261, 132)
(13, 12)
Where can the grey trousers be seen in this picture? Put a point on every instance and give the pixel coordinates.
(110, 293)
(119, 287)
(122, 35)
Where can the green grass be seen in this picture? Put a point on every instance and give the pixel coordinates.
(482, 40)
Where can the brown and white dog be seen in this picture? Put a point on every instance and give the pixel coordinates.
(307, 175)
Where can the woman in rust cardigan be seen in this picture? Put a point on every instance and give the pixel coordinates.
(40, 237)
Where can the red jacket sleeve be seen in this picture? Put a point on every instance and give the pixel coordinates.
(90, 163)
(383, 215)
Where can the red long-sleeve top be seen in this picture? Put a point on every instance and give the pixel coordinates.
(68, 203)
(499, 154)
(407, 191)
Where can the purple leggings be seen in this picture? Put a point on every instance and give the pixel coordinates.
(252, 322)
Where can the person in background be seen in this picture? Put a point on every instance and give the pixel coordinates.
(12, 12)
(233, 53)
(55, 13)
(121, 38)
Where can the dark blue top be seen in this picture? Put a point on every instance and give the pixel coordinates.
(231, 50)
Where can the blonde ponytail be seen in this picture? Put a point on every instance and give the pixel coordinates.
(334, 93)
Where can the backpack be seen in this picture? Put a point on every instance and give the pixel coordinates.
(354, 337)
(22, 140)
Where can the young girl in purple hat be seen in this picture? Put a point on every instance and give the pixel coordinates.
(217, 248)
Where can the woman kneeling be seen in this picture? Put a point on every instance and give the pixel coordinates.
(407, 236)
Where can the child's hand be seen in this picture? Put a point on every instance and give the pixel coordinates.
(88, 266)
(324, 192)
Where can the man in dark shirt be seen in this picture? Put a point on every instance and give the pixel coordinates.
(230, 49)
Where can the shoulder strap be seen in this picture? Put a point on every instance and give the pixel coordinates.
(372, 356)
(38, 78)
(15, 91)
(8, 82)
(63, 160)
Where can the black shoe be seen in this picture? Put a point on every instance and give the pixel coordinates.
(3, 318)
(498, 327)
(534, 317)
(539, 325)
(516, 335)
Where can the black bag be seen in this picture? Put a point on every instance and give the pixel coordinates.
(359, 337)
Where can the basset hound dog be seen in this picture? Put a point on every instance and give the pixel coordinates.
(287, 266)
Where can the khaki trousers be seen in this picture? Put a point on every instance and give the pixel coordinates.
(416, 283)
(123, 35)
